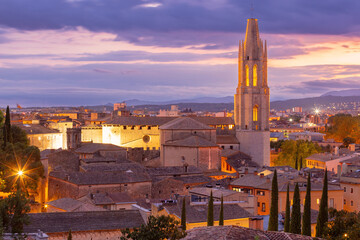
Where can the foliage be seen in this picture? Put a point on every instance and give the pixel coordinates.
(323, 209)
(287, 212)
(157, 228)
(221, 217)
(342, 223)
(183, 215)
(344, 126)
(274, 207)
(292, 150)
(210, 214)
(7, 129)
(348, 140)
(295, 223)
(276, 145)
(13, 211)
(19, 155)
(69, 235)
(306, 220)
(1, 118)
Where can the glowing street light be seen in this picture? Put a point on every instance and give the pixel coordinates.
(317, 111)
(20, 173)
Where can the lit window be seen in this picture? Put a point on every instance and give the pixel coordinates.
(255, 78)
(318, 201)
(352, 190)
(247, 75)
(255, 113)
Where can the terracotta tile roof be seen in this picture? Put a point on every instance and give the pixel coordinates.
(238, 233)
(84, 221)
(196, 213)
(97, 178)
(109, 198)
(72, 205)
(171, 171)
(158, 121)
(95, 147)
(226, 139)
(217, 192)
(184, 123)
(193, 179)
(114, 167)
(36, 129)
(192, 141)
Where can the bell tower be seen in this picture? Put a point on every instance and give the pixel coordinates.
(252, 98)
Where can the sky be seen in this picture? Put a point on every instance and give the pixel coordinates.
(92, 52)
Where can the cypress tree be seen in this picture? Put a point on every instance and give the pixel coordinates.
(323, 209)
(221, 217)
(210, 215)
(183, 215)
(7, 127)
(287, 212)
(306, 221)
(296, 162)
(69, 235)
(274, 212)
(295, 223)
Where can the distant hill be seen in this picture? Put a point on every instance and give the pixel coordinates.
(310, 103)
(137, 102)
(343, 93)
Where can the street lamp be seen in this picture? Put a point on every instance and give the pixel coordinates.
(20, 173)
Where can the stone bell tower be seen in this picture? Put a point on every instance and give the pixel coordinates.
(252, 98)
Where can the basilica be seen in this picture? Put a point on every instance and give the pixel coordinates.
(200, 141)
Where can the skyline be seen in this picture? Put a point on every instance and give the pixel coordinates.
(93, 52)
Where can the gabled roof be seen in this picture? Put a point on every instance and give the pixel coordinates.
(83, 221)
(72, 205)
(226, 139)
(196, 213)
(192, 141)
(184, 123)
(95, 147)
(239, 233)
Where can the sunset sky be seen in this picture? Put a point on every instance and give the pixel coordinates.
(76, 52)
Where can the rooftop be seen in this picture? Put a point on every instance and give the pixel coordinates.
(192, 141)
(184, 123)
(95, 147)
(36, 129)
(72, 205)
(226, 139)
(83, 221)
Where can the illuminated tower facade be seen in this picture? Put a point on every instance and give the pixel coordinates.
(252, 98)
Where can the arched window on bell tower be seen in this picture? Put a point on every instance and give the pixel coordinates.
(255, 113)
(255, 76)
(247, 75)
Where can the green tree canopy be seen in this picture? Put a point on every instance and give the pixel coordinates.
(343, 225)
(342, 126)
(293, 151)
(157, 228)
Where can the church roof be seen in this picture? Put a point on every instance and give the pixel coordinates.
(192, 141)
(184, 123)
(95, 147)
(226, 139)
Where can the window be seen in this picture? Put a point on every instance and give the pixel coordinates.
(261, 193)
(247, 75)
(318, 201)
(344, 189)
(344, 201)
(258, 204)
(255, 113)
(255, 78)
(352, 203)
(231, 147)
(263, 207)
(351, 190)
(331, 203)
(149, 127)
(124, 127)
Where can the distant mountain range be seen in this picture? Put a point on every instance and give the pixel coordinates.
(343, 93)
(226, 103)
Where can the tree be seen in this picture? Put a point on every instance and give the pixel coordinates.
(7, 128)
(295, 223)
(287, 212)
(342, 223)
(183, 215)
(221, 217)
(306, 220)
(210, 215)
(274, 207)
(69, 235)
(348, 140)
(323, 209)
(157, 228)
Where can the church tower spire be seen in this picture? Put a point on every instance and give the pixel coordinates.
(252, 98)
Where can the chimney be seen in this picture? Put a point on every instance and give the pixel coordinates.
(255, 172)
(246, 171)
(261, 175)
(67, 177)
(237, 174)
(267, 179)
